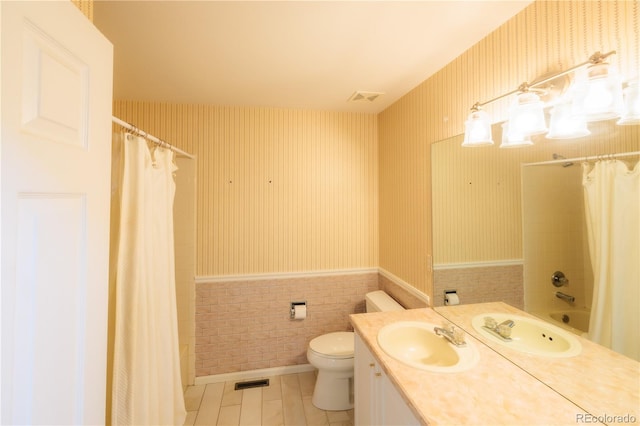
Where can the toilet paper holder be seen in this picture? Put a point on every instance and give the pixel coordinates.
(454, 295)
(292, 309)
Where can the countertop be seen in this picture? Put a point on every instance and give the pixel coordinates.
(602, 382)
(495, 391)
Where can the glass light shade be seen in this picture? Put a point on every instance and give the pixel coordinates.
(477, 130)
(601, 96)
(631, 110)
(526, 116)
(513, 139)
(563, 124)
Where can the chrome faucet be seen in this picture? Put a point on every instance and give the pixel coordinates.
(452, 334)
(565, 297)
(502, 330)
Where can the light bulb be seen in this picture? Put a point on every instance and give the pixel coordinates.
(601, 97)
(631, 110)
(565, 125)
(598, 95)
(477, 129)
(513, 139)
(526, 115)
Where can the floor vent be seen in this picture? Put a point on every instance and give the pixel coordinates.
(252, 384)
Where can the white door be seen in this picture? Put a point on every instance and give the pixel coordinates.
(55, 178)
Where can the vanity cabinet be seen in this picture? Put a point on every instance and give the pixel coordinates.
(377, 401)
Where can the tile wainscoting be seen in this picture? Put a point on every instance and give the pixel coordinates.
(482, 283)
(244, 324)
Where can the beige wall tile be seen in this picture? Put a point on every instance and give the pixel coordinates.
(246, 325)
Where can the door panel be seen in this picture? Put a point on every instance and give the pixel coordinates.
(51, 74)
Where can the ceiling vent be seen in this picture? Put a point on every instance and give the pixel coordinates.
(360, 96)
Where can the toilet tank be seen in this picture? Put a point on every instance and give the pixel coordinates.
(379, 301)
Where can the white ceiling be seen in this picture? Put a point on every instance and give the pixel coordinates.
(294, 54)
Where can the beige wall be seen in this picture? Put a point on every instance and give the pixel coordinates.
(545, 37)
(279, 190)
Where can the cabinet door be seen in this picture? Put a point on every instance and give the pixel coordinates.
(365, 370)
(395, 410)
(377, 401)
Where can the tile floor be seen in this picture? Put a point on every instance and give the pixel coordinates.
(286, 401)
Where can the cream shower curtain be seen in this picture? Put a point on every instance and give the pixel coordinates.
(612, 204)
(146, 387)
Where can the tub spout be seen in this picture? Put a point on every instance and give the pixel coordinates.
(565, 297)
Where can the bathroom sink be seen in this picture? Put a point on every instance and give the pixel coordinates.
(531, 336)
(415, 344)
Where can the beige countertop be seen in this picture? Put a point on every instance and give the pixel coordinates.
(494, 392)
(602, 382)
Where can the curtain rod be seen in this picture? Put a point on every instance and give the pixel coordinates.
(590, 158)
(151, 137)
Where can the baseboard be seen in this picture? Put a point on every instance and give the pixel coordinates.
(254, 374)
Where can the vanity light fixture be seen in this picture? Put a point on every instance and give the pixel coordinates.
(598, 98)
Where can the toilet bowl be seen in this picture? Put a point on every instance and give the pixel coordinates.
(332, 354)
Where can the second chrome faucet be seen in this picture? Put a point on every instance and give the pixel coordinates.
(502, 330)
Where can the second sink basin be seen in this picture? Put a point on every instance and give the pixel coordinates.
(531, 336)
(415, 344)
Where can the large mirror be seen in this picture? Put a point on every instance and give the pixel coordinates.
(484, 250)
(506, 220)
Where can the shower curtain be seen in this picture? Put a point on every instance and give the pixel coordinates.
(146, 382)
(612, 204)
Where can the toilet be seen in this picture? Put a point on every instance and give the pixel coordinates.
(332, 354)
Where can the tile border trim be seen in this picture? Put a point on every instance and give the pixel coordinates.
(281, 275)
(405, 285)
(507, 262)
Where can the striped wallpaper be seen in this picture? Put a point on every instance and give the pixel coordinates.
(279, 190)
(546, 37)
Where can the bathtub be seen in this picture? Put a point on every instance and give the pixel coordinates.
(574, 320)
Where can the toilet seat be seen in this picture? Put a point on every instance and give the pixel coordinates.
(337, 345)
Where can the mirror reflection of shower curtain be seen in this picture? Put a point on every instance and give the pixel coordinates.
(146, 382)
(612, 204)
